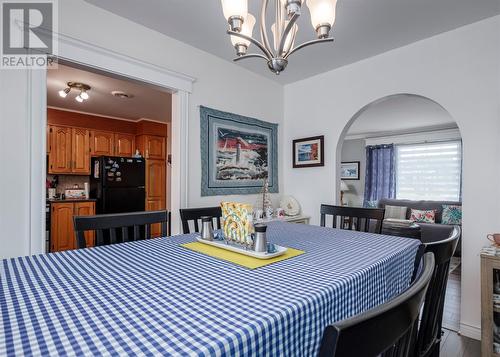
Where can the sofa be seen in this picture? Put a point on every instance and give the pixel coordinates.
(429, 231)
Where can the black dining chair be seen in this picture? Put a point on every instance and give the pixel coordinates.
(430, 330)
(119, 227)
(354, 218)
(387, 329)
(195, 214)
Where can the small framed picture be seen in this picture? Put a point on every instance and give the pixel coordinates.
(349, 170)
(309, 152)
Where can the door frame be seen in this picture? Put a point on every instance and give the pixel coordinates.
(89, 55)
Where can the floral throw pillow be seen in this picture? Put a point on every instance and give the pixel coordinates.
(452, 214)
(371, 204)
(423, 216)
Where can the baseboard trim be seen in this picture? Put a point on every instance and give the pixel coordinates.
(470, 331)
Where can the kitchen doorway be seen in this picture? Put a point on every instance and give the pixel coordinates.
(87, 55)
(108, 149)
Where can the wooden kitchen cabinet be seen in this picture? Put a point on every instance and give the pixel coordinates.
(155, 205)
(60, 150)
(103, 143)
(62, 234)
(69, 150)
(80, 140)
(86, 209)
(155, 190)
(151, 146)
(155, 146)
(155, 179)
(106, 143)
(124, 144)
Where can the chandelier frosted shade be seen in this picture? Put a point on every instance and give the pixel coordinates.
(235, 11)
(247, 30)
(322, 15)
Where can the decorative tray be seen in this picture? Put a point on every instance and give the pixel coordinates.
(279, 250)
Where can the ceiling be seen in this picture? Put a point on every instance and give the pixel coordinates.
(364, 28)
(147, 102)
(400, 114)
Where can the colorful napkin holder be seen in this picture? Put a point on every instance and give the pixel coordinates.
(237, 222)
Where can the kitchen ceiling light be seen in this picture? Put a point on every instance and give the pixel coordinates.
(284, 29)
(78, 86)
(64, 92)
(84, 95)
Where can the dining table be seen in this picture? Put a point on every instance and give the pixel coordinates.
(156, 297)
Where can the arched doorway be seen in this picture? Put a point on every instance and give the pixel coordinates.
(405, 151)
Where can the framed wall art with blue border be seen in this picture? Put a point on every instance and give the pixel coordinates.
(238, 154)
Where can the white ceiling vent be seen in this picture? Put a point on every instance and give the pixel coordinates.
(121, 94)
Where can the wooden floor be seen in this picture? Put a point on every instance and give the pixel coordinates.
(454, 345)
(451, 313)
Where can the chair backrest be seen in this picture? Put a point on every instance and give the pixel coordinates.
(195, 214)
(429, 334)
(355, 218)
(119, 227)
(385, 328)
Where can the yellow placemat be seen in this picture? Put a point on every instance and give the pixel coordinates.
(237, 258)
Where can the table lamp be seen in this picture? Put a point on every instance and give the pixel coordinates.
(343, 188)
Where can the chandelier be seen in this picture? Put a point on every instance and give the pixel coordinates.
(79, 87)
(284, 29)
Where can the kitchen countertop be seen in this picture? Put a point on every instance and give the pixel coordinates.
(68, 200)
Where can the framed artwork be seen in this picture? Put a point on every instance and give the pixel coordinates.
(238, 153)
(309, 152)
(349, 170)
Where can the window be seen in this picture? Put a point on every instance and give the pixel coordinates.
(430, 171)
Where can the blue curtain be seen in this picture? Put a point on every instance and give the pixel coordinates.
(380, 179)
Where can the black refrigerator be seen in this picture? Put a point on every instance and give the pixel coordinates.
(118, 184)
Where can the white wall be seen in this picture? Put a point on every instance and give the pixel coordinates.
(460, 71)
(14, 164)
(219, 84)
(355, 150)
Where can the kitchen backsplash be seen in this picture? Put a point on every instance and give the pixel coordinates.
(68, 181)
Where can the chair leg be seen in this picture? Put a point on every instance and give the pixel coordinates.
(435, 350)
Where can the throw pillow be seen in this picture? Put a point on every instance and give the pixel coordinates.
(452, 214)
(423, 216)
(395, 212)
(371, 204)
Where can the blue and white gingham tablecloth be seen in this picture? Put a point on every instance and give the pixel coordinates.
(157, 298)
